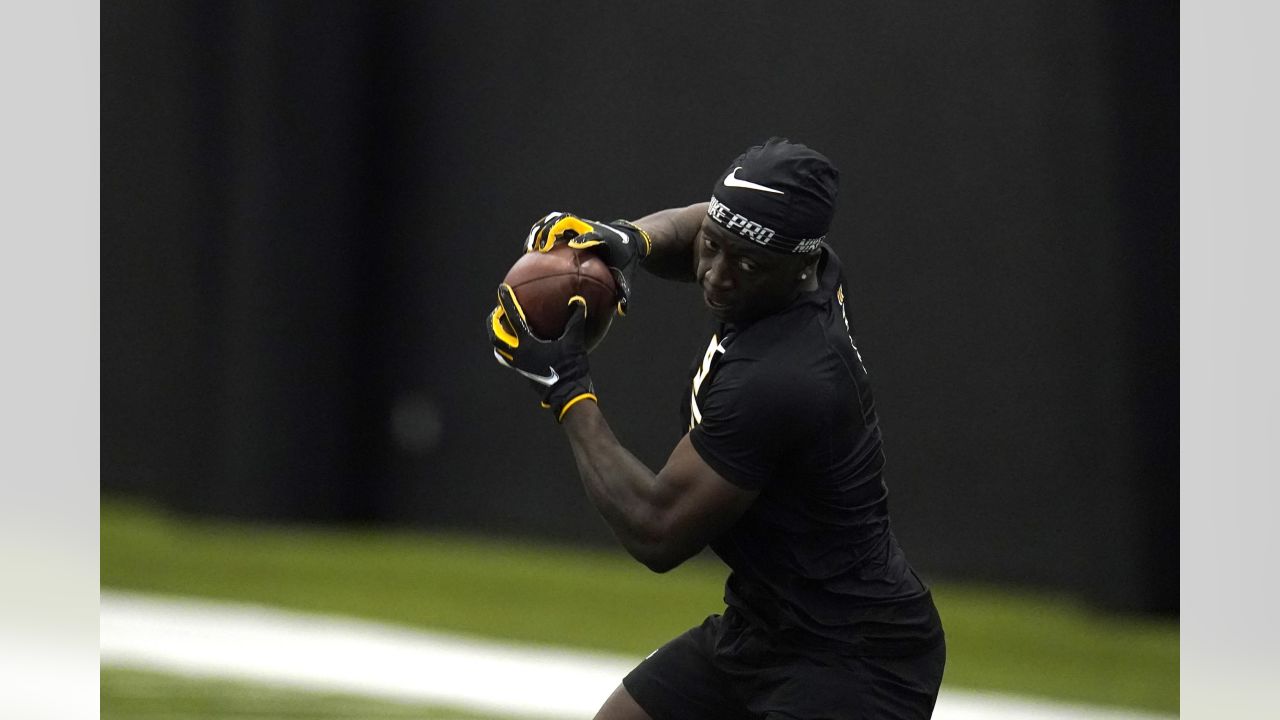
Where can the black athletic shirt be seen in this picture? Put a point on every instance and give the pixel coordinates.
(783, 406)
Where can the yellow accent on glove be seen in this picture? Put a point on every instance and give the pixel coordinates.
(565, 224)
(544, 238)
(584, 396)
(502, 326)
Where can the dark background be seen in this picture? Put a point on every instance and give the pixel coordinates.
(306, 208)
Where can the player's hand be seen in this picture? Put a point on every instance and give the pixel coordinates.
(557, 368)
(621, 244)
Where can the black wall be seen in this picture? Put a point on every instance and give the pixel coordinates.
(307, 206)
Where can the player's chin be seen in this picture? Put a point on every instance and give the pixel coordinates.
(724, 312)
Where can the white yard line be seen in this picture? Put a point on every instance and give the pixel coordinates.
(336, 654)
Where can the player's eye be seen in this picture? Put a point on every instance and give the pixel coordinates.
(747, 266)
(709, 244)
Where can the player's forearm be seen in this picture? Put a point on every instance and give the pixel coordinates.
(672, 233)
(622, 488)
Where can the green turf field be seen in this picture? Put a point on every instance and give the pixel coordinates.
(134, 695)
(996, 640)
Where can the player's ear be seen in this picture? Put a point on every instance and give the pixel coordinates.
(810, 267)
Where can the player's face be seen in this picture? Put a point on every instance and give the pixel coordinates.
(742, 282)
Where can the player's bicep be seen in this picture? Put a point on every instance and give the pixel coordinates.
(697, 503)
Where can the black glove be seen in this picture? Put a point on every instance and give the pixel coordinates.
(621, 244)
(557, 368)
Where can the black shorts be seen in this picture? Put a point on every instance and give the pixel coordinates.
(725, 669)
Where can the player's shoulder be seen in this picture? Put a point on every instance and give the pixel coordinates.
(785, 341)
(763, 392)
(770, 365)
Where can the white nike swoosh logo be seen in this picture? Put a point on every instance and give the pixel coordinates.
(619, 233)
(547, 380)
(731, 180)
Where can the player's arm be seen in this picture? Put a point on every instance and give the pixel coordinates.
(663, 519)
(672, 233)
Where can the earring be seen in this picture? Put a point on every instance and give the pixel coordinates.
(804, 275)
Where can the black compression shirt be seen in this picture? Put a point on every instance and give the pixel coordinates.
(783, 406)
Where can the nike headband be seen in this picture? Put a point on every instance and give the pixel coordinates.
(780, 195)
